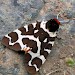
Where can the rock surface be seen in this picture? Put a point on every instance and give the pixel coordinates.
(16, 13)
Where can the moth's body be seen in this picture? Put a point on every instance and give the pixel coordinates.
(35, 37)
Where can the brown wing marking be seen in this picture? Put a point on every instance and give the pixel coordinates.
(31, 69)
(27, 57)
(37, 61)
(15, 47)
(5, 41)
(14, 36)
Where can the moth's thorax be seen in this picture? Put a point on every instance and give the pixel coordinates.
(52, 25)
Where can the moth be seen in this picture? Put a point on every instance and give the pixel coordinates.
(36, 40)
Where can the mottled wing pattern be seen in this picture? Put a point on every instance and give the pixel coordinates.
(35, 36)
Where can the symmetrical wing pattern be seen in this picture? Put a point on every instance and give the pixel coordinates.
(37, 38)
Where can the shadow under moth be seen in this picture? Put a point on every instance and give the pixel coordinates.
(36, 40)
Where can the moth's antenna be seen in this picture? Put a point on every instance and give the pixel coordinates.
(58, 15)
(64, 21)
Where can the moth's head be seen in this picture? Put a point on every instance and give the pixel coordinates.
(52, 25)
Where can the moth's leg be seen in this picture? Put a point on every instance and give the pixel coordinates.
(26, 49)
(59, 38)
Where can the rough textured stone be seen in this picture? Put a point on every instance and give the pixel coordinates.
(37, 4)
(72, 30)
(16, 13)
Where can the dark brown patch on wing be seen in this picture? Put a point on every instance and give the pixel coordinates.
(25, 41)
(29, 32)
(45, 53)
(23, 30)
(37, 61)
(30, 27)
(43, 45)
(5, 41)
(27, 57)
(30, 43)
(14, 36)
(48, 46)
(15, 47)
(34, 50)
(31, 69)
(41, 34)
(37, 25)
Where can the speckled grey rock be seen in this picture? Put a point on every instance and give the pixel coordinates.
(37, 4)
(14, 2)
(13, 71)
(13, 13)
(49, 16)
(72, 30)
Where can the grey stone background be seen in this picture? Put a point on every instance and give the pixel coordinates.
(17, 13)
